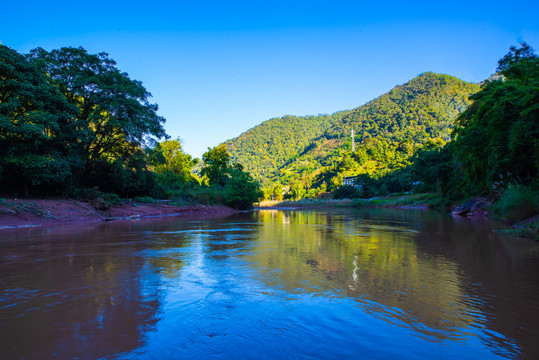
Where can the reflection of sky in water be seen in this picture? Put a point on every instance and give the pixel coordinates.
(368, 284)
(238, 282)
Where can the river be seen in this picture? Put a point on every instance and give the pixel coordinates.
(270, 284)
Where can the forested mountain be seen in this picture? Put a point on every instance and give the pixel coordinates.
(425, 107)
(313, 153)
(72, 124)
(266, 148)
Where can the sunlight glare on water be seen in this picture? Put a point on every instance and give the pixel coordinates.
(348, 284)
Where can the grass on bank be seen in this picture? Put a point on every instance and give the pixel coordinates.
(516, 203)
(307, 203)
(427, 199)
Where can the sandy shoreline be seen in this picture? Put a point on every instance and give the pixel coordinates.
(26, 213)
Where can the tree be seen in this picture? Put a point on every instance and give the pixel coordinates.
(113, 109)
(215, 166)
(168, 156)
(241, 190)
(172, 165)
(37, 131)
(238, 188)
(297, 191)
(433, 166)
(516, 55)
(497, 138)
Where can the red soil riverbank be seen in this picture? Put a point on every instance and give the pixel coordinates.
(20, 213)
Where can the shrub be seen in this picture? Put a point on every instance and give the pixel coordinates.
(144, 199)
(112, 199)
(241, 190)
(517, 202)
(346, 192)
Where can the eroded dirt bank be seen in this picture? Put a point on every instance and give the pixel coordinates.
(20, 213)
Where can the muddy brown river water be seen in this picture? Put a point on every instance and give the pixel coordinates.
(271, 284)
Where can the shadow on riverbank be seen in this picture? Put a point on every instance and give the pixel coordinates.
(25, 213)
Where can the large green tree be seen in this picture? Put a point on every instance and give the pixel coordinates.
(237, 187)
(216, 165)
(172, 166)
(241, 190)
(497, 138)
(113, 109)
(168, 156)
(37, 128)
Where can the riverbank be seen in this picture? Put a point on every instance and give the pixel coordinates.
(407, 201)
(21, 213)
(474, 208)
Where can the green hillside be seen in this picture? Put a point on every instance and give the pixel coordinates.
(311, 154)
(424, 107)
(266, 148)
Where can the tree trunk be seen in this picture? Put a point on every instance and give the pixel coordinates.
(26, 186)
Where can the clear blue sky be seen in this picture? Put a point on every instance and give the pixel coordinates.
(218, 68)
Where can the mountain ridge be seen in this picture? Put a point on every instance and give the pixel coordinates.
(421, 109)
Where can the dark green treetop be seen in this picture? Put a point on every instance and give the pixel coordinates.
(216, 165)
(237, 187)
(37, 131)
(113, 109)
(516, 55)
(497, 138)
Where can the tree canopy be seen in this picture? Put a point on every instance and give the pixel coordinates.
(216, 164)
(497, 138)
(237, 187)
(69, 118)
(37, 129)
(310, 155)
(172, 166)
(114, 109)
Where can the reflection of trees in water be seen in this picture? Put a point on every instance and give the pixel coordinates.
(89, 295)
(500, 279)
(98, 292)
(409, 268)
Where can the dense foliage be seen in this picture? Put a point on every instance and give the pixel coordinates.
(216, 165)
(71, 119)
(495, 147)
(113, 113)
(266, 148)
(495, 142)
(173, 168)
(237, 188)
(389, 130)
(73, 124)
(38, 137)
(497, 138)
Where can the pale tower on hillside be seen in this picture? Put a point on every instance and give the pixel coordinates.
(353, 144)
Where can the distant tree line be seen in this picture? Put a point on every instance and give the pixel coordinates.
(71, 123)
(435, 133)
(494, 143)
(389, 130)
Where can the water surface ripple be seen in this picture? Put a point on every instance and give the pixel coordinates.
(346, 284)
